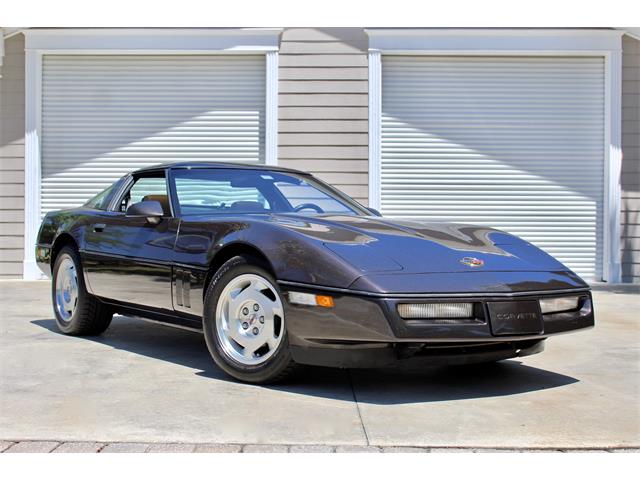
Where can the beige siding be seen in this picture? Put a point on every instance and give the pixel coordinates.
(12, 158)
(630, 219)
(323, 101)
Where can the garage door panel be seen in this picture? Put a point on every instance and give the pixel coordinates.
(103, 116)
(511, 142)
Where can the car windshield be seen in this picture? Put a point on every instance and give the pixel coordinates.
(226, 190)
(101, 200)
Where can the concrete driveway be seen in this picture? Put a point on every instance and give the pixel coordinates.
(141, 382)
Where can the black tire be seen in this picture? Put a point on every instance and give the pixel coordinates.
(280, 365)
(90, 317)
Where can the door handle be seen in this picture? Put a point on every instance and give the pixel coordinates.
(98, 227)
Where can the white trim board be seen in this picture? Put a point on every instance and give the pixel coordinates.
(612, 268)
(485, 42)
(256, 40)
(130, 42)
(32, 166)
(375, 127)
(495, 40)
(271, 109)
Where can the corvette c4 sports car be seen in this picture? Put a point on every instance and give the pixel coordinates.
(278, 269)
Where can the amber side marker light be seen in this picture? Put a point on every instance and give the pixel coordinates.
(311, 300)
(324, 301)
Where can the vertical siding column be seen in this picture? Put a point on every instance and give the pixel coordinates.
(323, 114)
(630, 176)
(12, 158)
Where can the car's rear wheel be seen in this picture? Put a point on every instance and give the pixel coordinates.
(244, 323)
(76, 311)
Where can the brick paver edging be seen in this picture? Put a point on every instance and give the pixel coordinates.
(49, 446)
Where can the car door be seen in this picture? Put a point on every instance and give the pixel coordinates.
(128, 258)
(210, 203)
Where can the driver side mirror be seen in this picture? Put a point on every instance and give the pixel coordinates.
(150, 209)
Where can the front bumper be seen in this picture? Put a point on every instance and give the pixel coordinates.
(43, 259)
(365, 330)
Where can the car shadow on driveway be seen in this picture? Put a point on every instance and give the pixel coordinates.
(391, 386)
(396, 385)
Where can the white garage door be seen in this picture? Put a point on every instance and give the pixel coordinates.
(105, 115)
(511, 142)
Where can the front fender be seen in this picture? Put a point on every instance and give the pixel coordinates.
(293, 256)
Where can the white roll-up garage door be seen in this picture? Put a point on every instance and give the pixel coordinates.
(105, 115)
(511, 142)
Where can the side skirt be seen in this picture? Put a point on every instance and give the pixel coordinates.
(174, 325)
(170, 319)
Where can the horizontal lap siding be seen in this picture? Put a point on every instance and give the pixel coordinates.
(630, 218)
(323, 100)
(12, 158)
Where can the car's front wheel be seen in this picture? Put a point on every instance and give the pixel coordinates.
(77, 312)
(244, 323)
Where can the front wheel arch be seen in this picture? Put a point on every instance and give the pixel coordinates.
(237, 249)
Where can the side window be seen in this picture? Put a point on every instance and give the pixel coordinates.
(147, 188)
(198, 195)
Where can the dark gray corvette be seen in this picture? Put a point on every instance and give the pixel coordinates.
(279, 269)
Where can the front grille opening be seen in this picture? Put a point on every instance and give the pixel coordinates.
(445, 321)
(447, 348)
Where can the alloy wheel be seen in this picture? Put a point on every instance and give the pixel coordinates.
(249, 319)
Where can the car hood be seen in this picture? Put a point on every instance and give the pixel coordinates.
(376, 244)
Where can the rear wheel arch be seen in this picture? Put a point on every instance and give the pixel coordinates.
(237, 249)
(76, 311)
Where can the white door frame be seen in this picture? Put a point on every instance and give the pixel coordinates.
(493, 42)
(40, 42)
